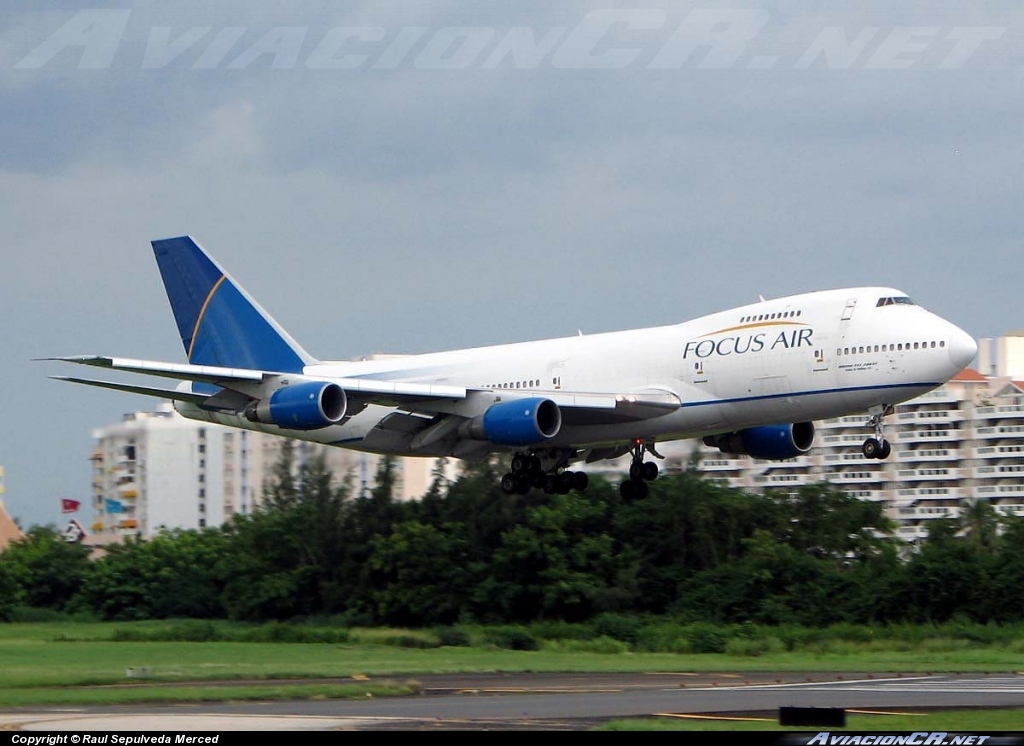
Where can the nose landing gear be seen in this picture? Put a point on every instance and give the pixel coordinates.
(877, 446)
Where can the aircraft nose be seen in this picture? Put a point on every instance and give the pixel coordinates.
(962, 348)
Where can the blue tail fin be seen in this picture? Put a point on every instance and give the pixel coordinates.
(219, 323)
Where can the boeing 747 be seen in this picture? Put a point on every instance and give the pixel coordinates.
(749, 380)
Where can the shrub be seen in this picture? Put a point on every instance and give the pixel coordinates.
(561, 630)
(618, 627)
(753, 647)
(707, 638)
(408, 641)
(602, 645)
(452, 637)
(281, 632)
(40, 614)
(511, 638)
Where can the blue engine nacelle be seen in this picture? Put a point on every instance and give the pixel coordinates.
(520, 422)
(301, 406)
(771, 442)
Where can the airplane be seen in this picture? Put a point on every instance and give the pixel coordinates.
(749, 380)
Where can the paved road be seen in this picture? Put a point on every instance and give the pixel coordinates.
(549, 702)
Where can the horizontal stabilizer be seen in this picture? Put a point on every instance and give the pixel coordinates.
(171, 394)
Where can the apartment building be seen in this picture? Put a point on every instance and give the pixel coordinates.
(154, 471)
(962, 442)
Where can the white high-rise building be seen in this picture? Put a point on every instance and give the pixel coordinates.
(156, 471)
(1002, 356)
(962, 442)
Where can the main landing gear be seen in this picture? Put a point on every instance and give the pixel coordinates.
(640, 473)
(877, 447)
(527, 472)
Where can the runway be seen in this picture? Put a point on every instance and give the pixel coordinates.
(548, 702)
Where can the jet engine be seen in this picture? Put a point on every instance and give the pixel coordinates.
(520, 422)
(301, 406)
(770, 442)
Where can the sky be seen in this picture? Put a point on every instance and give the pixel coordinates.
(407, 177)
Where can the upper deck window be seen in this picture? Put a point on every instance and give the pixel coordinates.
(898, 300)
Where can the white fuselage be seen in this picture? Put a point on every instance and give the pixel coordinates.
(794, 359)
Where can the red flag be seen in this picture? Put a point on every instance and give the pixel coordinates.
(69, 506)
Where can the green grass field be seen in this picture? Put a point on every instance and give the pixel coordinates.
(59, 663)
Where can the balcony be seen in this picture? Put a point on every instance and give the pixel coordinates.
(775, 480)
(999, 432)
(925, 514)
(721, 464)
(937, 474)
(1011, 452)
(1006, 410)
(930, 416)
(855, 477)
(914, 455)
(993, 491)
(933, 493)
(930, 436)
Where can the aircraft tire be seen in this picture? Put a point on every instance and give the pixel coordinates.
(871, 448)
(565, 483)
(650, 471)
(509, 484)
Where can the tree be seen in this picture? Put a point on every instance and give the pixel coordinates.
(48, 569)
(289, 557)
(829, 524)
(947, 577)
(559, 563)
(422, 573)
(979, 522)
(175, 574)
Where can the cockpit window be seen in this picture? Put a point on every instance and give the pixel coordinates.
(898, 300)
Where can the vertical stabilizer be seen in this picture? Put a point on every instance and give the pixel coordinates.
(219, 323)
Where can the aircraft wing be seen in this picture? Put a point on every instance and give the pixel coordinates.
(233, 389)
(247, 381)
